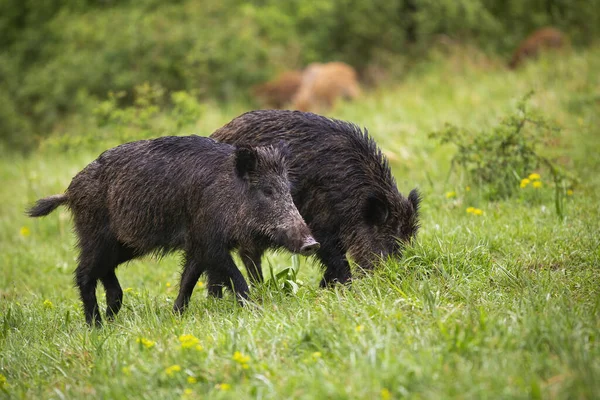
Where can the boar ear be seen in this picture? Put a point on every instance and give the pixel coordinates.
(376, 210)
(245, 161)
(415, 199)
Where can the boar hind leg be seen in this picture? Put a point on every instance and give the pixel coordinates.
(94, 262)
(189, 277)
(333, 257)
(251, 257)
(114, 293)
(98, 259)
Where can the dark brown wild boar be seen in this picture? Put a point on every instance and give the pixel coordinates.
(178, 193)
(341, 184)
(542, 39)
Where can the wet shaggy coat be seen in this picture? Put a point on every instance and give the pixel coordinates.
(544, 38)
(177, 193)
(341, 184)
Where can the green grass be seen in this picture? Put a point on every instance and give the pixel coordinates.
(502, 305)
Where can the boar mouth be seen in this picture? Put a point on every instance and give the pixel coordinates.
(309, 247)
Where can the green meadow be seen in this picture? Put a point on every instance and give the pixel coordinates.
(496, 298)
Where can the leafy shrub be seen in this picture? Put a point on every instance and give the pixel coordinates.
(498, 159)
(149, 116)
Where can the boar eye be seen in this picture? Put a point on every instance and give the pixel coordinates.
(268, 191)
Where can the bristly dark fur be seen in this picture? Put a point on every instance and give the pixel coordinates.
(177, 193)
(341, 183)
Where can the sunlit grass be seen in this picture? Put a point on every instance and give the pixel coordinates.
(501, 303)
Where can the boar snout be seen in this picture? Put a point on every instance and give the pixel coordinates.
(309, 247)
(298, 239)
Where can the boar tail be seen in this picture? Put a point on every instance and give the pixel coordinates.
(46, 205)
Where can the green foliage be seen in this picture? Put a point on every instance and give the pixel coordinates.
(286, 280)
(136, 121)
(141, 120)
(498, 159)
(59, 56)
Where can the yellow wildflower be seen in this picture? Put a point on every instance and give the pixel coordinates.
(3, 382)
(24, 231)
(147, 343)
(524, 182)
(537, 184)
(474, 211)
(450, 195)
(240, 358)
(468, 188)
(191, 379)
(223, 386)
(359, 328)
(168, 284)
(534, 177)
(172, 369)
(385, 394)
(189, 341)
(187, 391)
(126, 371)
(200, 284)
(316, 354)
(569, 192)
(48, 304)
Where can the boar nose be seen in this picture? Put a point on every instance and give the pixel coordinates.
(310, 246)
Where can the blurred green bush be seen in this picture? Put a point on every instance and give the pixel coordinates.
(58, 57)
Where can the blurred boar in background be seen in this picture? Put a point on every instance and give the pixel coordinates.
(178, 193)
(323, 84)
(341, 184)
(280, 91)
(542, 39)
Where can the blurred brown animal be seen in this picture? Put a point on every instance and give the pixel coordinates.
(544, 38)
(279, 92)
(323, 84)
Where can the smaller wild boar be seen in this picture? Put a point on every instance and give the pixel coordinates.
(280, 91)
(323, 84)
(178, 193)
(542, 39)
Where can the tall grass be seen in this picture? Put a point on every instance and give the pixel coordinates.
(499, 305)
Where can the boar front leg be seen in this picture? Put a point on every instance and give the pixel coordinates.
(222, 272)
(333, 257)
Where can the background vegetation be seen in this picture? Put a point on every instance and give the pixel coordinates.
(498, 297)
(60, 57)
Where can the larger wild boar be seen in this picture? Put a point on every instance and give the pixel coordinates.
(178, 193)
(341, 184)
